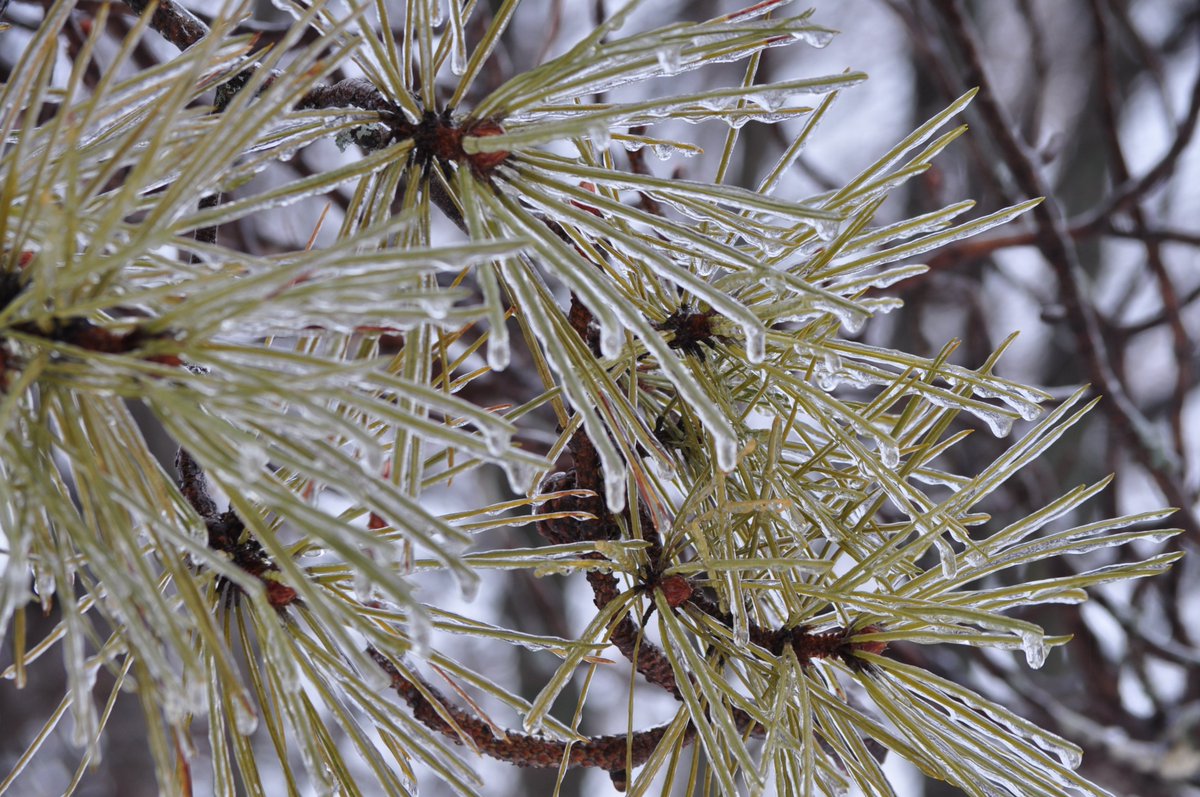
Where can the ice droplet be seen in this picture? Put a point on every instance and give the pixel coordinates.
(999, 423)
(458, 57)
(520, 475)
(664, 152)
(756, 343)
(889, 453)
(496, 438)
(741, 629)
(814, 38)
(612, 340)
(948, 560)
(437, 14)
(419, 631)
(600, 136)
(1070, 755)
(498, 353)
(669, 59)
(726, 449)
(825, 230)
(251, 459)
(43, 585)
(1034, 645)
(468, 584)
(614, 487)
(245, 718)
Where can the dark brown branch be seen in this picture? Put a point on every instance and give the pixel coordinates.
(1109, 96)
(354, 92)
(193, 483)
(1056, 246)
(614, 753)
(173, 22)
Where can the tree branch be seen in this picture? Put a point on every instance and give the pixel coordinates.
(1055, 244)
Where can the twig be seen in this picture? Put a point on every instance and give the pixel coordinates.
(1056, 246)
(613, 753)
(173, 22)
(194, 484)
(1109, 94)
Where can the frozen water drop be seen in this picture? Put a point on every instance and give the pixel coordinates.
(614, 488)
(612, 340)
(245, 718)
(437, 14)
(999, 423)
(814, 38)
(1034, 645)
(419, 632)
(669, 59)
(520, 475)
(741, 632)
(600, 136)
(496, 438)
(756, 343)
(468, 584)
(458, 58)
(824, 229)
(1070, 756)
(251, 459)
(726, 449)
(948, 560)
(889, 453)
(498, 352)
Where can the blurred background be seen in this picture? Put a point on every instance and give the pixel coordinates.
(1091, 103)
